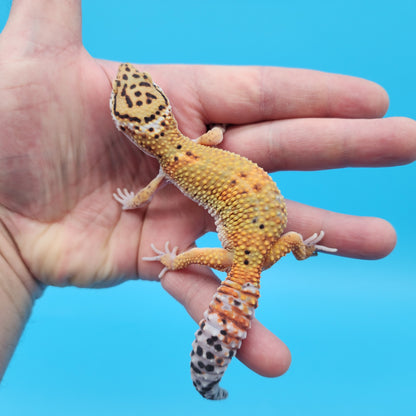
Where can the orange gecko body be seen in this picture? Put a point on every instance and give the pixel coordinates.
(248, 208)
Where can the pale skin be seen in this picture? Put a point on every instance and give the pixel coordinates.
(61, 159)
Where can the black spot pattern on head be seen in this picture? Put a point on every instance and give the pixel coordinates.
(130, 84)
(129, 101)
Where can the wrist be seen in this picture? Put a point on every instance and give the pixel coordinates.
(18, 291)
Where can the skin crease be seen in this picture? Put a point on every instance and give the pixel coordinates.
(61, 158)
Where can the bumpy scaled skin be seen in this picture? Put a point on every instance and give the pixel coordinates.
(249, 210)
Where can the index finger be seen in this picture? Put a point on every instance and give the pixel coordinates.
(239, 95)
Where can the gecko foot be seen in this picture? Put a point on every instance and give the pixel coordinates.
(125, 198)
(316, 238)
(166, 257)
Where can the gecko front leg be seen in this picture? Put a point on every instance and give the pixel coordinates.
(211, 137)
(129, 200)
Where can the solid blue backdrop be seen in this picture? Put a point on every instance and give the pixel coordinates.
(350, 324)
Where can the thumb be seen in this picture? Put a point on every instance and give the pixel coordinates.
(43, 26)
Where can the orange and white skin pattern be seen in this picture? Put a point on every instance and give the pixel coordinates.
(248, 208)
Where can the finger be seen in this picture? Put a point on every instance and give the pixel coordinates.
(308, 144)
(238, 95)
(261, 351)
(47, 25)
(358, 237)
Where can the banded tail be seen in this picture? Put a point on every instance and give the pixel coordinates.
(221, 332)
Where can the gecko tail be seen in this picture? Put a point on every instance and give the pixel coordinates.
(220, 334)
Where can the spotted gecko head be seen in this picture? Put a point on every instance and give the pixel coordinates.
(138, 106)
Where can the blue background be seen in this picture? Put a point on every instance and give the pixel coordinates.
(350, 324)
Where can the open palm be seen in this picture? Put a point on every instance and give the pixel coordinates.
(61, 158)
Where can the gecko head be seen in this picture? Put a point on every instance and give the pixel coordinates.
(138, 106)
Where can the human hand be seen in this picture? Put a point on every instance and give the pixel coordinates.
(61, 159)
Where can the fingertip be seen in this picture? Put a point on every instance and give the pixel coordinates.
(381, 100)
(364, 99)
(387, 240)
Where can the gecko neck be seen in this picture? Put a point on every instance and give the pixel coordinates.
(162, 147)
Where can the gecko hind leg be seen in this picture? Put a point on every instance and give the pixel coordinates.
(216, 258)
(301, 249)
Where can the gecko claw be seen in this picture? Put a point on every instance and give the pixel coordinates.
(166, 257)
(124, 197)
(316, 238)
